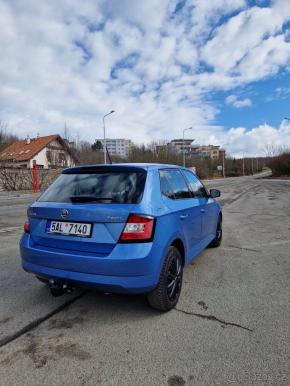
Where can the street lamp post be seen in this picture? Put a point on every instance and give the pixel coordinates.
(105, 143)
(183, 148)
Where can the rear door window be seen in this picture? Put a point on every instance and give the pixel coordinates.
(173, 184)
(196, 186)
(105, 187)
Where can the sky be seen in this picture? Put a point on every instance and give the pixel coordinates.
(221, 67)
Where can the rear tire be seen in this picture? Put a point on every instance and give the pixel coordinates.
(216, 242)
(165, 296)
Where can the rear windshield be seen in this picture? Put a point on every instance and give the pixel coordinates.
(106, 187)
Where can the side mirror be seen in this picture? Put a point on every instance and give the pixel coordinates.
(214, 193)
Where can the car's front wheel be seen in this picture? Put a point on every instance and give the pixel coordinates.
(165, 296)
(216, 242)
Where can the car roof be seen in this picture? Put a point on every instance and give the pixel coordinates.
(117, 167)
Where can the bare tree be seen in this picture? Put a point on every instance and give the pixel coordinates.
(5, 138)
(66, 134)
(271, 150)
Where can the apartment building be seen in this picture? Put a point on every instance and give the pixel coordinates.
(180, 145)
(214, 152)
(118, 146)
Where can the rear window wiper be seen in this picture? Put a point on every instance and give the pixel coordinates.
(90, 198)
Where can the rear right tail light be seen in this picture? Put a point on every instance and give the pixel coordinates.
(26, 227)
(139, 228)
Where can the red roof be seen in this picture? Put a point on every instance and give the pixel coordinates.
(24, 151)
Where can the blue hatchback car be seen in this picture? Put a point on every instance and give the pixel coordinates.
(128, 228)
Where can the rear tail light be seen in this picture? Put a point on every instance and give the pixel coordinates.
(138, 228)
(26, 227)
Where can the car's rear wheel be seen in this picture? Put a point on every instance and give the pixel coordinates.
(216, 242)
(165, 296)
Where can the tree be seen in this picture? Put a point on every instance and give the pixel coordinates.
(280, 164)
(97, 146)
(66, 132)
(5, 138)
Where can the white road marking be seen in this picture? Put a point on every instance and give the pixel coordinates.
(10, 229)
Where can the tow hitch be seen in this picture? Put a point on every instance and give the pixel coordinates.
(58, 287)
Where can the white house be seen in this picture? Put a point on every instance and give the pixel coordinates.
(48, 152)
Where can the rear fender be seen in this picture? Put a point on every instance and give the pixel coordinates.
(166, 247)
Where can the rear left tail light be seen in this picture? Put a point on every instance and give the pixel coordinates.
(138, 228)
(26, 227)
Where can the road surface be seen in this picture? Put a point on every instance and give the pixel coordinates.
(230, 327)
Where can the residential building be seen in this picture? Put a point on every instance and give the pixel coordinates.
(50, 151)
(214, 152)
(117, 146)
(180, 145)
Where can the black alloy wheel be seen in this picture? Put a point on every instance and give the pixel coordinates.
(174, 278)
(165, 296)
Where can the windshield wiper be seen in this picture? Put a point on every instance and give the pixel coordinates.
(88, 198)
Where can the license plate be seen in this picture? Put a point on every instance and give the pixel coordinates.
(69, 228)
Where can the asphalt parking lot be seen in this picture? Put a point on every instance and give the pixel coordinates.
(231, 325)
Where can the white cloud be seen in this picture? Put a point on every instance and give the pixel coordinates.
(149, 15)
(265, 59)
(238, 103)
(282, 92)
(67, 62)
(205, 14)
(255, 141)
(247, 46)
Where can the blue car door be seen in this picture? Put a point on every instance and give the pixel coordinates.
(184, 207)
(206, 205)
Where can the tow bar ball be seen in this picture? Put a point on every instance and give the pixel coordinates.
(58, 288)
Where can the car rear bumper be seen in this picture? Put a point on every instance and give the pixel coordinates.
(130, 268)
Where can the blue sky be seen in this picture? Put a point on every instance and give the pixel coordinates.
(270, 102)
(219, 66)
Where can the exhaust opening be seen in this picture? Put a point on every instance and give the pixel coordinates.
(59, 287)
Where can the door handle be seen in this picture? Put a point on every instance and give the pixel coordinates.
(202, 210)
(183, 216)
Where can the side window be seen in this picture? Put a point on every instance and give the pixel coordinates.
(165, 186)
(196, 186)
(173, 184)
